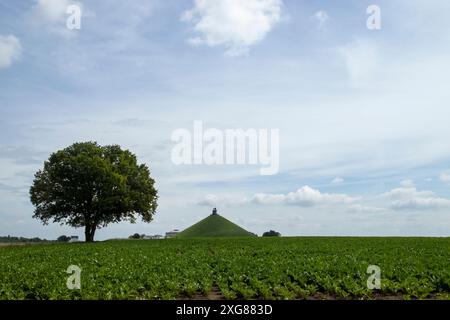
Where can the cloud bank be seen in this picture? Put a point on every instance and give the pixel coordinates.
(407, 197)
(404, 198)
(303, 197)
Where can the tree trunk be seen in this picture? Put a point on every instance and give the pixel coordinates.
(89, 232)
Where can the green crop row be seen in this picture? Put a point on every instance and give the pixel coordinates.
(253, 268)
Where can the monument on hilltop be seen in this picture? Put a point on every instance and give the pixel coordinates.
(214, 225)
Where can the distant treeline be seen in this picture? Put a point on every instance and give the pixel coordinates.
(9, 239)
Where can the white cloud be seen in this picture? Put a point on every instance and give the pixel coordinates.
(361, 58)
(407, 197)
(10, 50)
(445, 177)
(234, 24)
(359, 208)
(268, 199)
(307, 196)
(407, 184)
(321, 17)
(52, 15)
(304, 197)
(51, 10)
(212, 200)
(337, 180)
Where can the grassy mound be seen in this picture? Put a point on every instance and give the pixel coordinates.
(214, 226)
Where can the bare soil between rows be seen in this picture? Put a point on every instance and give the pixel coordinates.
(215, 294)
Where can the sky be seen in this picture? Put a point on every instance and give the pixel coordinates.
(363, 114)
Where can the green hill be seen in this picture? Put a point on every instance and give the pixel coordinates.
(214, 226)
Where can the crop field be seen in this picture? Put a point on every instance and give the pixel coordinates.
(250, 268)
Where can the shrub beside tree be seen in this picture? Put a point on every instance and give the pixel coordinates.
(271, 233)
(63, 239)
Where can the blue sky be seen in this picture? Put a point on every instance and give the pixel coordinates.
(363, 114)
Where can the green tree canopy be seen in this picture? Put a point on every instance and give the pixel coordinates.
(271, 233)
(88, 185)
(63, 238)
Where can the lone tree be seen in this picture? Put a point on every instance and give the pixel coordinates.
(88, 185)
